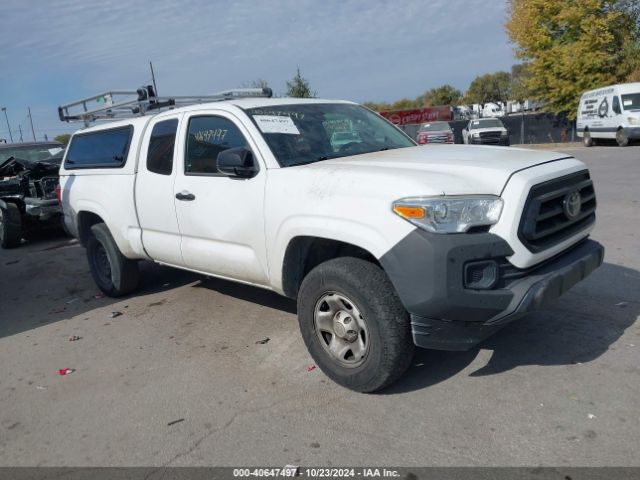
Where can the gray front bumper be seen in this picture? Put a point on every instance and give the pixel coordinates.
(446, 315)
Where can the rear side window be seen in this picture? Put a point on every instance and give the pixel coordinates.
(161, 145)
(207, 137)
(102, 149)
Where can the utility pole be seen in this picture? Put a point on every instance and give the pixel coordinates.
(33, 132)
(4, 109)
(20, 128)
(153, 78)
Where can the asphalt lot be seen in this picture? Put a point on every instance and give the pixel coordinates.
(560, 387)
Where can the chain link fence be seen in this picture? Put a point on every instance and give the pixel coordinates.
(523, 129)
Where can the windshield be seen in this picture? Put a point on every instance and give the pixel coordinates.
(30, 154)
(631, 101)
(299, 134)
(487, 123)
(434, 127)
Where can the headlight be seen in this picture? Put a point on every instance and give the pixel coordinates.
(633, 120)
(504, 134)
(449, 214)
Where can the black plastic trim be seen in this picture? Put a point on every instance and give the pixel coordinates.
(561, 232)
(529, 294)
(427, 270)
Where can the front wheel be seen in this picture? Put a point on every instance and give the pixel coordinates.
(586, 139)
(621, 138)
(115, 274)
(354, 324)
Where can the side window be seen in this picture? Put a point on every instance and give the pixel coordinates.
(100, 149)
(161, 144)
(615, 106)
(206, 138)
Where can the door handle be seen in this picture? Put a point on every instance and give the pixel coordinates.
(184, 195)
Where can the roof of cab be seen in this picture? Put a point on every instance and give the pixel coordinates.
(242, 103)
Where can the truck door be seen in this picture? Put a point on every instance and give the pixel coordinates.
(154, 191)
(615, 106)
(221, 218)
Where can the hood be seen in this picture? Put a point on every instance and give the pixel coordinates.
(435, 169)
(434, 132)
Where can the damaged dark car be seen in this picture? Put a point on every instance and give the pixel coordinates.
(28, 190)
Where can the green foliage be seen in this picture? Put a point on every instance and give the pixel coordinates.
(443, 95)
(574, 45)
(299, 87)
(519, 77)
(491, 87)
(64, 138)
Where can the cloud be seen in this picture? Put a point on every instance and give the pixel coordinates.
(61, 50)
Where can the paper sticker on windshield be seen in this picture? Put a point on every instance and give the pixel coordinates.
(626, 103)
(276, 124)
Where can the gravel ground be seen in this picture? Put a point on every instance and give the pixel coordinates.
(181, 377)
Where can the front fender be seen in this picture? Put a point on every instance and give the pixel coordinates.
(374, 240)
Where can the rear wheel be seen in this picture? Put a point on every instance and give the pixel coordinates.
(354, 324)
(586, 139)
(10, 226)
(621, 138)
(115, 274)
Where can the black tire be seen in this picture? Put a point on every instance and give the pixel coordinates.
(115, 274)
(621, 138)
(587, 140)
(10, 226)
(390, 345)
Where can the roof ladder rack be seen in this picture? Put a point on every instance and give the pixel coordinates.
(118, 104)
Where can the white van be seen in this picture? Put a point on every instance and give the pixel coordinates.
(610, 112)
(492, 110)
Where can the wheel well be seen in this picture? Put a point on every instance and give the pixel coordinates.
(305, 253)
(85, 221)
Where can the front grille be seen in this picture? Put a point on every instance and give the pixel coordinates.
(484, 135)
(547, 220)
(490, 138)
(437, 138)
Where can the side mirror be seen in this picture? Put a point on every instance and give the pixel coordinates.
(616, 109)
(237, 162)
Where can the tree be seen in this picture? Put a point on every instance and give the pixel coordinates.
(519, 77)
(443, 95)
(64, 138)
(402, 104)
(573, 46)
(491, 87)
(299, 87)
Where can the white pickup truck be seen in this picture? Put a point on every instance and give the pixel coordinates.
(386, 245)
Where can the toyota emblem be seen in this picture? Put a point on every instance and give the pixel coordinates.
(572, 204)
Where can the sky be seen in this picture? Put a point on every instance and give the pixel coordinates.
(57, 51)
